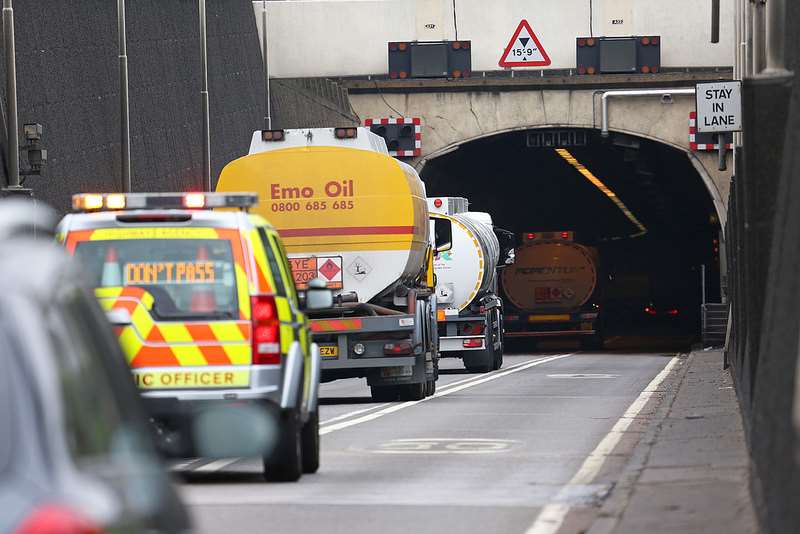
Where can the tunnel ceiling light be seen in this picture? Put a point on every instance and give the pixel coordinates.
(594, 180)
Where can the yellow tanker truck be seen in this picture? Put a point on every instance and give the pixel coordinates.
(350, 214)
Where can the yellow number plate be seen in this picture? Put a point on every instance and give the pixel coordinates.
(329, 351)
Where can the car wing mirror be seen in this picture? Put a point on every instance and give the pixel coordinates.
(442, 234)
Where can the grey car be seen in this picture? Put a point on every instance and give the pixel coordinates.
(76, 455)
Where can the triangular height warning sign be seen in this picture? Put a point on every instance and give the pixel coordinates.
(524, 49)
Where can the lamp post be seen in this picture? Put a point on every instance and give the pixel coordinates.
(11, 94)
(124, 99)
(204, 96)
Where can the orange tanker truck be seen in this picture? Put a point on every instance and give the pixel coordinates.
(551, 290)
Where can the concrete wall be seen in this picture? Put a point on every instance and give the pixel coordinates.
(348, 37)
(68, 82)
(450, 119)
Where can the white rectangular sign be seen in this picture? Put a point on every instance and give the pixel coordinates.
(719, 107)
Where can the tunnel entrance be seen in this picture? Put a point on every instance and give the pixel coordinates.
(641, 204)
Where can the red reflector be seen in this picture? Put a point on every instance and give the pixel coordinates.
(194, 200)
(654, 40)
(590, 70)
(393, 47)
(581, 42)
(473, 343)
(530, 236)
(393, 75)
(654, 69)
(402, 46)
(565, 235)
(57, 520)
(590, 42)
(581, 69)
(456, 45)
(403, 74)
(465, 45)
(437, 203)
(397, 348)
(645, 41)
(673, 312)
(456, 73)
(646, 69)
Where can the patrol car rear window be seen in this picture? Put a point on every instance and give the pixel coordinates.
(188, 278)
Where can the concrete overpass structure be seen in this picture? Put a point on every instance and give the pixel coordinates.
(347, 41)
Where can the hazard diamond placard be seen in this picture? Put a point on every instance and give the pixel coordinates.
(524, 49)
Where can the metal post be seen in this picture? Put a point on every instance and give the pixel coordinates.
(759, 37)
(204, 95)
(714, 21)
(124, 99)
(776, 36)
(703, 282)
(12, 132)
(267, 103)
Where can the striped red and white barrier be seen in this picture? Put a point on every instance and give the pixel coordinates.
(703, 141)
(415, 121)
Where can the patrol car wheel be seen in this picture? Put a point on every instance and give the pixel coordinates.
(285, 464)
(311, 443)
(384, 393)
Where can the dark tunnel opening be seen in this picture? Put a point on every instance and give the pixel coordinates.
(640, 203)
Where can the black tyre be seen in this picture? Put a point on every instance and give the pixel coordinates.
(479, 361)
(285, 463)
(498, 357)
(310, 438)
(412, 392)
(430, 388)
(384, 393)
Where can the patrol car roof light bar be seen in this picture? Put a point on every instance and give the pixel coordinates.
(153, 201)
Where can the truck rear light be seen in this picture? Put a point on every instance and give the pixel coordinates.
(266, 331)
(437, 203)
(650, 310)
(673, 312)
(473, 343)
(273, 135)
(55, 519)
(345, 133)
(398, 348)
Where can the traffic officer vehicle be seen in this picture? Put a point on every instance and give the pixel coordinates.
(76, 451)
(209, 318)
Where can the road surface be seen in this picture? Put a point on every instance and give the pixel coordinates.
(512, 451)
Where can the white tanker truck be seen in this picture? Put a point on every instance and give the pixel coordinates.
(469, 312)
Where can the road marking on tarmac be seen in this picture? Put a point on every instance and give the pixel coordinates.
(552, 516)
(438, 387)
(453, 388)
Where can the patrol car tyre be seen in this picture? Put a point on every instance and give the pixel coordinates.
(311, 443)
(385, 393)
(413, 392)
(285, 463)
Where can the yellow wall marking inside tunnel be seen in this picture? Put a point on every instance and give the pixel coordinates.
(594, 180)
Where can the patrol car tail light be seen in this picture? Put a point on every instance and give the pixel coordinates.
(266, 331)
(57, 520)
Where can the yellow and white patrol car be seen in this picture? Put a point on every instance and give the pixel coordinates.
(207, 313)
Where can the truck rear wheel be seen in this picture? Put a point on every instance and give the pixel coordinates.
(310, 452)
(479, 361)
(430, 388)
(498, 357)
(385, 393)
(412, 392)
(285, 463)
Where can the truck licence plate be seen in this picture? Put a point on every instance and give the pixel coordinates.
(328, 351)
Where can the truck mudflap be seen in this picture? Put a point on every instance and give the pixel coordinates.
(357, 343)
(551, 324)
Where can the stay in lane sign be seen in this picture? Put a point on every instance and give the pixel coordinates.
(719, 107)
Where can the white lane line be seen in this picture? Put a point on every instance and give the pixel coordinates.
(216, 465)
(552, 516)
(438, 387)
(352, 414)
(402, 406)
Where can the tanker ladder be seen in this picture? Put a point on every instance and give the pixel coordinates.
(474, 334)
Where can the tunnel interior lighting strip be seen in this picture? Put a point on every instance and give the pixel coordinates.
(595, 181)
